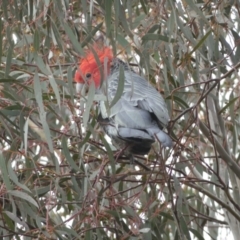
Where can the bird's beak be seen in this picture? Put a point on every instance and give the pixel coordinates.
(79, 87)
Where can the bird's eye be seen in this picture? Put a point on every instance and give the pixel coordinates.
(88, 75)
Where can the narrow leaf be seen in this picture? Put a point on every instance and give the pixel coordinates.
(200, 42)
(108, 12)
(55, 89)
(67, 155)
(4, 172)
(153, 36)
(120, 87)
(110, 155)
(89, 104)
(228, 104)
(42, 113)
(24, 196)
(25, 134)
(73, 38)
(36, 41)
(14, 178)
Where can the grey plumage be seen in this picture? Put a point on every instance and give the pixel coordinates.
(139, 115)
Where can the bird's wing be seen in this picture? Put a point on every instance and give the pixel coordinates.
(139, 98)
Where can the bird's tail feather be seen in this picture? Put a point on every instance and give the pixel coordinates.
(165, 140)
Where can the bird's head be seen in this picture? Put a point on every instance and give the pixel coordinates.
(94, 66)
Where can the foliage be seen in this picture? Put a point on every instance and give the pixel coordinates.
(59, 175)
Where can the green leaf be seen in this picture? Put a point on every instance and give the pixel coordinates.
(73, 39)
(23, 196)
(9, 59)
(25, 134)
(1, 38)
(91, 35)
(8, 221)
(70, 88)
(154, 37)
(122, 17)
(41, 191)
(199, 44)
(14, 178)
(108, 20)
(144, 6)
(154, 28)
(120, 87)
(4, 173)
(36, 41)
(231, 102)
(15, 219)
(41, 65)
(179, 100)
(110, 155)
(199, 14)
(196, 234)
(89, 104)
(55, 89)
(67, 155)
(42, 113)
(17, 82)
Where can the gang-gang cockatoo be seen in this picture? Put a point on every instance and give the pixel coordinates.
(138, 116)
